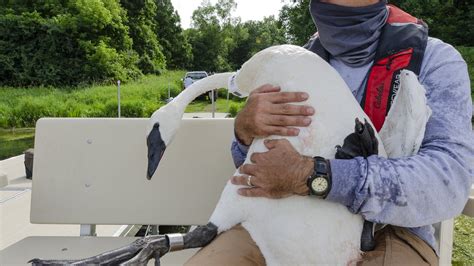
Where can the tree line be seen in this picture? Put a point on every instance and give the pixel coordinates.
(74, 42)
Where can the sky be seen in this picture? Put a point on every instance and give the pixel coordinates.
(246, 9)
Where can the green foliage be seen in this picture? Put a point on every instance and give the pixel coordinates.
(141, 21)
(63, 43)
(297, 22)
(221, 42)
(176, 47)
(235, 108)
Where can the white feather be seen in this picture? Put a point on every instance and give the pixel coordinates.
(404, 127)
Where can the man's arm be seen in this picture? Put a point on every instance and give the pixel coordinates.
(434, 184)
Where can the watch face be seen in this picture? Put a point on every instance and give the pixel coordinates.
(319, 184)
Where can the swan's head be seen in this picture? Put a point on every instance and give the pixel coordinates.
(162, 127)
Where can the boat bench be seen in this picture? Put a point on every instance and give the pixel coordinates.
(93, 172)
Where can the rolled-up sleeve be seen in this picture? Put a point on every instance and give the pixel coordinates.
(239, 152)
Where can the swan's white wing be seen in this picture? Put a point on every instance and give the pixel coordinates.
(404, 127)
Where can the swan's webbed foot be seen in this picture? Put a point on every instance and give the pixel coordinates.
(361, 143)
(201, 236)
(132, 253)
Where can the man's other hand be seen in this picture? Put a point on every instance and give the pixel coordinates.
(280, 172)
(268, 112)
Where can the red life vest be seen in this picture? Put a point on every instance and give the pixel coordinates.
(402, 45)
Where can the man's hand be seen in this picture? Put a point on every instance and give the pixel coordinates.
(277, 173)
(267, 112)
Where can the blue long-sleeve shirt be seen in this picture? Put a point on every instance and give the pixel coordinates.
(431, 186)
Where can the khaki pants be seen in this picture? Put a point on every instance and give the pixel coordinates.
(395, 246)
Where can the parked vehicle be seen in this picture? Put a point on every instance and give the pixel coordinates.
(194, 76)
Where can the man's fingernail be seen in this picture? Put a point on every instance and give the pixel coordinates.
(310, 110)
(304, 96)
(294, 131)
(307, 121)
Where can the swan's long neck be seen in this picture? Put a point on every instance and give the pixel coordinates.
(199, 87)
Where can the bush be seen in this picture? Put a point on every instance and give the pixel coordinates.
(4, 116)
(30, 109)
(66, 43)
(234, 108)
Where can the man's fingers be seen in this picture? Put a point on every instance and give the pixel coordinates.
(288, 97)
(289, 121)
(242, 180)
(266, 89)
(253, 192)
(273, 143)
(255, 157)
(248, 169)
(281, 131)
(291, 109)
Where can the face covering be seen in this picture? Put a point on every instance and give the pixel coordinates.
(349, 33)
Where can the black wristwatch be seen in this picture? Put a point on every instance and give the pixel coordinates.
(319, 183)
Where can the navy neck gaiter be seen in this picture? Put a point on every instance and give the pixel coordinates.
(349, 33)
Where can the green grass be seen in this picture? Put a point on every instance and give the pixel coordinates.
(22, 107)
(463, 247)
(15, 141)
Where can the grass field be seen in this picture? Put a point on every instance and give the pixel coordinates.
(23, 107)
(15, 141)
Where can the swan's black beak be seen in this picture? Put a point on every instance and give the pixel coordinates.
(156, 149)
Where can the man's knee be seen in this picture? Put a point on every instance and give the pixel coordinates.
(397, 246)
(232, 247)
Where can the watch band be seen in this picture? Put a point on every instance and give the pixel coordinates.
(322, 169)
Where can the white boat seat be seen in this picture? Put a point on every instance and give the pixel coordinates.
(93, 171)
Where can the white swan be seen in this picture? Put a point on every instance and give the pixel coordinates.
(299, 230)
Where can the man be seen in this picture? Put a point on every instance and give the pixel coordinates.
(406, 194)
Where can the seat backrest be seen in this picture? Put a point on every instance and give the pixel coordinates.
(93, 171)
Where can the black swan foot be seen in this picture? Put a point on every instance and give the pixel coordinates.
(361, 143)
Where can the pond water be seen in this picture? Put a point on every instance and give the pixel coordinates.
(14, 142)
